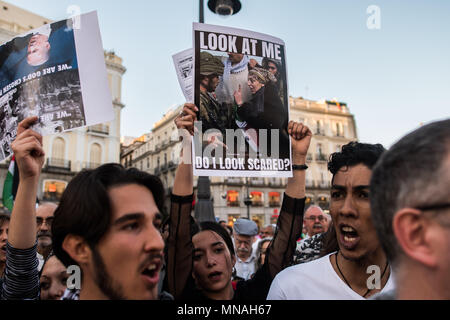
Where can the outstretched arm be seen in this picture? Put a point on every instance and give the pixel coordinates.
(289, 225)
(179, 259)
(290, 221)
(29, 157)
(21, 279)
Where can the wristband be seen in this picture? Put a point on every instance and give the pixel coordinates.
(299, 167)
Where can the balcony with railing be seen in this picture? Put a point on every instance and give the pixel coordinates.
(233, 203)
(309, 183)
(321, 157)
(59, 164)
(234, 181)
(323, 185)
(257, 181)
(309, 157)
(257, 203)
(319, 132)
(91, 165)
(157, 171)
(164, 168)
(275, 182)
(99, 128)
(275, 204)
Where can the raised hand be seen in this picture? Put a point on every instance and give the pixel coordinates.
(187, 117)
(300, 138)
(28, 149)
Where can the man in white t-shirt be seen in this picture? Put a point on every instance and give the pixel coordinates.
(359, 268)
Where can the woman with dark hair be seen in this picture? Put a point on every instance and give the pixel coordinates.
(53, 279)
(262, 251)
(200, 266)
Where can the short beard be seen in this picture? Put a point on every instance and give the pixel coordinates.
(103, 280)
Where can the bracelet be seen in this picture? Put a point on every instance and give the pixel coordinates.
(299, 167)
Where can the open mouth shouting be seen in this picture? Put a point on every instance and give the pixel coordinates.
(215, 276)
(348, 236)
(150, 273)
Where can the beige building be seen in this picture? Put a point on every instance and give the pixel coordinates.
(68, 153)
(331, 122)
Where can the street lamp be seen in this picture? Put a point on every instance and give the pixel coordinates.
(220, 7)
(204, 209)
(248, 200)
(224, 7)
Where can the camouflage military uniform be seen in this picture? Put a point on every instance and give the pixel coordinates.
(212, 115)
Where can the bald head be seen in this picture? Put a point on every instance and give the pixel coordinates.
(38, 50)
(315, 221)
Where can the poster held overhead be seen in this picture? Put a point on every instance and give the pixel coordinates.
(57, 73)
(184, 67)
(240, 87)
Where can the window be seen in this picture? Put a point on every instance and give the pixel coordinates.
(59, 148)
(148, 163)
(53, 189)
(318, 127)
(257, 198)
(338, 130)
(233, 198)
(96, 154)
(274, 199)
(323, 203)
(232, 219)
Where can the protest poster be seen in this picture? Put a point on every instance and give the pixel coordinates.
(240, 87)
(184, 66)
(56, 72)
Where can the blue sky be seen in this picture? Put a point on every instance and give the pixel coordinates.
(393, 79)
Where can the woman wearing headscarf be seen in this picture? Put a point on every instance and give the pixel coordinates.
(265, 110)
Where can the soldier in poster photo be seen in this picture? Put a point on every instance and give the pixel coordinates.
(243, 97)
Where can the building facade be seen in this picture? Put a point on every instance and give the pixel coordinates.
(69, 152)
(332, 125)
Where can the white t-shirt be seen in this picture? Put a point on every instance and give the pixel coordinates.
(315, 280)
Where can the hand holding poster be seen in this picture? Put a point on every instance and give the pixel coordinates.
(55, 72)
(241, 90)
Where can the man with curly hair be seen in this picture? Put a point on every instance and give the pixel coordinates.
(346, 272)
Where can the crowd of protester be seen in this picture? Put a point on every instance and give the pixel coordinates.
(389, 209)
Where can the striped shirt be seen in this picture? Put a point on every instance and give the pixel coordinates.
(21, 277)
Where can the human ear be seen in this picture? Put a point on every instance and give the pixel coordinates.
(412, 231)
(77, 248)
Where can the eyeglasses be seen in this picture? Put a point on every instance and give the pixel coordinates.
(48, 221)
(434, 207)
(313, 218)
(438, 206)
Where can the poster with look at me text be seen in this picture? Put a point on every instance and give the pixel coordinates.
(240, 88)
